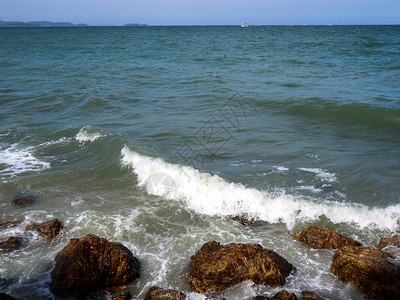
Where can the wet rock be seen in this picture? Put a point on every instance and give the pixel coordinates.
(91, 263)
(6, 297)
(24, 199)
(10, 223)
(47, 230)
(392, 241)
(215, 267)
(245, 221)
(13, 243)
(390, 245)
(282, 295)
(310, 296)
(112, 293)
(319, 237)
(370, 269)
(156, 293)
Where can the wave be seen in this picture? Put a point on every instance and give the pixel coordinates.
(88, 134)
(212, 195)
(372, 115)
(321, 174)
(17, 160)
(383, 113)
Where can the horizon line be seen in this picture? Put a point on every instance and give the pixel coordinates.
(192, 25)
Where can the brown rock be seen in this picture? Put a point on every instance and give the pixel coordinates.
(156, 293)
(24, 199)
(370, 269)
(310, 296)
(393, 241)
(112, 293)
(282, 295)
(215, 267)
(319, 237)
(390, 245)
(48, 230)
(10, 223)
(92, 263)
(12, 243)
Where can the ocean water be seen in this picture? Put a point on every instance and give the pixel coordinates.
(156, 137)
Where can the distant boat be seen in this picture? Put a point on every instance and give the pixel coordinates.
(244, 25)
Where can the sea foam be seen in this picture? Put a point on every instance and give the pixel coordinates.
(212, 195)
(88, 134)
(17, 160)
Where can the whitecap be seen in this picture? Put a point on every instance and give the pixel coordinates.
(210, 194)
(17, 160)
(310, 188)
(88, 134)
(324, 175)
(280, 169)
(52, 142)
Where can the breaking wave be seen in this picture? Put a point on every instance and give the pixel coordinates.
(210, 194)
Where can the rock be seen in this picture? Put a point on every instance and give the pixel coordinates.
(319, 237)
(48, 230)
(282, 295)
(112, 293)
(13, 243)
(6, 297)
(91, 263)
(215, 267)
(156, 293)
(393, 241)
(10, 223)
(24, 199)
(245, 221)
(390, 245)
(310, 296)
(370, 269)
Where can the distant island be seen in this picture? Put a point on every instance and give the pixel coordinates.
(135, 24)
(39, 24)
(50, 24)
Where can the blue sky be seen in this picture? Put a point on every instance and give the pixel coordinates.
(207, 12)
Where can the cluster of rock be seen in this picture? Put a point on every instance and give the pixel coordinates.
(91, 264)
(98, 269)
(372, 270)
(47, 230)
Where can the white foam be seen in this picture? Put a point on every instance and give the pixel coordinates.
(88, 134)
(59, 141)
(212, 195)
(280, 169)
(321, 174)
(19, 160)
(310, 188)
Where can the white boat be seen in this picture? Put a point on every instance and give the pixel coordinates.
(244, 25)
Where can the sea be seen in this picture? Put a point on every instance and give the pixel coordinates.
(160, 138)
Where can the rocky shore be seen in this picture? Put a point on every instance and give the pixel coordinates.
(91, 267)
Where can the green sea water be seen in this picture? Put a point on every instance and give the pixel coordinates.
(156, 137)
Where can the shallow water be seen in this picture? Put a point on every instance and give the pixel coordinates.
(156, 137)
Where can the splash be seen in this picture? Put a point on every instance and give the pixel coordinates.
(212, 195)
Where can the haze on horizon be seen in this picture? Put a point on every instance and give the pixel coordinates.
(206, 12)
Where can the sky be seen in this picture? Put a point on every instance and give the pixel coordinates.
(204, 12)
